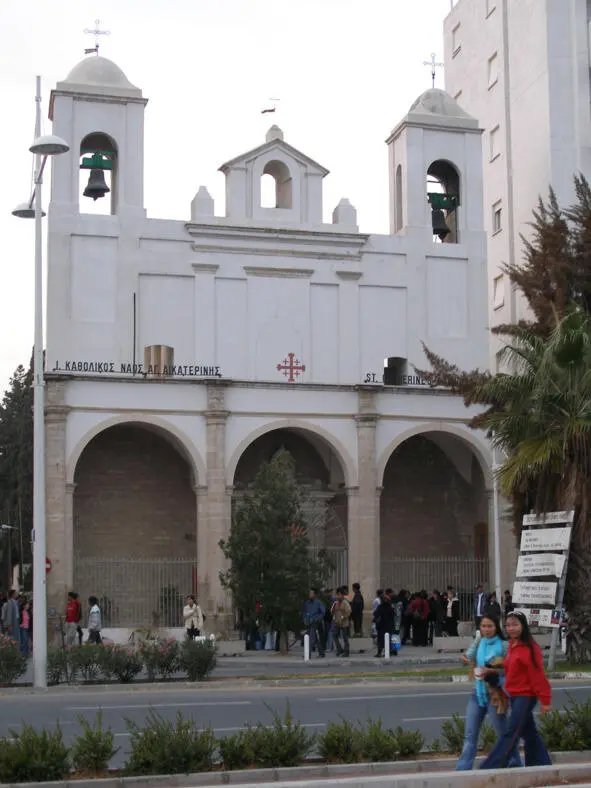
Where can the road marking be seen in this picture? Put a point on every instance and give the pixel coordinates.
(427, 719)
(173, 705)
(241, 727)
(415, 696)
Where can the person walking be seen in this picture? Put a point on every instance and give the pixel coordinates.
(487, 651)
(327, 624)
(73, 617)
(313, 616)
(193, 618)
(480, 600)
(526, 684)
(452, 613)
(492, 607)
(357, 606)
(11, 617)
(94, 621)
(419, 611)
(384, 619)
(341, 616)
(437, 615)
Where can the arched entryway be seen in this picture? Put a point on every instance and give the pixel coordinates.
(434, 515)
(321, 477)
(135, 525)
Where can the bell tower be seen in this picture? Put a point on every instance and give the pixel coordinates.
(435, 163)
(101, 114)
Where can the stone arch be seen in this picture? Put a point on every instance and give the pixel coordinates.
(280, 172)
(166, 429)
(478, 446)
(99, 156)
(444, 196)
(335, 445)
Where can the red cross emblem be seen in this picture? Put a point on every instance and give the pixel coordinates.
(291, 368)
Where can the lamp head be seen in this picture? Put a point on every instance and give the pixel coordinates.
(49, 145)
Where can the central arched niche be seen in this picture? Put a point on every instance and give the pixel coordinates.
(318, 472)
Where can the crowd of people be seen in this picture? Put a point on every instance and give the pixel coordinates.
(16, 619)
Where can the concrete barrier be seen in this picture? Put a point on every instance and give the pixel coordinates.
(460, 644)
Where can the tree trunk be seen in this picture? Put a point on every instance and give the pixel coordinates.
(283, 642)
(578, 583)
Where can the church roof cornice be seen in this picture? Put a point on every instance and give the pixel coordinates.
(275, 144)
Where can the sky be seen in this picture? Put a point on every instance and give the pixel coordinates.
(345, 72)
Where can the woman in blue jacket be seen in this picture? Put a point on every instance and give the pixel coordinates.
(485, 654)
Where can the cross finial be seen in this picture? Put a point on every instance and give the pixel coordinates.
(434, 65)
(96, 33)
(271, 108)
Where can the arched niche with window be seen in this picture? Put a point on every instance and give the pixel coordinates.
(98, 174)
(276, 186)
(443, 195)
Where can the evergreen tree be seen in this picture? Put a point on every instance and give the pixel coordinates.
(16, 465)
(272, 566)
(537, 411)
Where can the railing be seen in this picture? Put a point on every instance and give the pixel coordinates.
(415, 574)
(137, 592)
(340, 572)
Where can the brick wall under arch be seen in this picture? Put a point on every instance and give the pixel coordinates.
(133, 497)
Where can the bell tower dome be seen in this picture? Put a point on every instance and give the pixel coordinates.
(101, 114)
(435, 162)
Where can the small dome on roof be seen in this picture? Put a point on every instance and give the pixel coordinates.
(438, 102)
(99, 75)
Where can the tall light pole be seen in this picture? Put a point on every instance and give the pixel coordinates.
(43, 147)
(496, 526)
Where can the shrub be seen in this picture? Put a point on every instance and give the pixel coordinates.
(379, 744)
(238, 751)
(197, 659)
(120, 662)
(408, 743)
(92, 752)
(57, 666)
(84, 661)
(283, 743)
(341, 742)
(161, 657)
(437, 746)
(12, 663)
(452, 733)
(169, 747)
(32, 756)
(488, 737)
(578, 720)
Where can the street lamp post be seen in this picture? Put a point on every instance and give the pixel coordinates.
(44, 146)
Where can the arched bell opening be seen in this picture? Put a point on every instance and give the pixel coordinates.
(98, 179)
(443, 195)
(276, 186)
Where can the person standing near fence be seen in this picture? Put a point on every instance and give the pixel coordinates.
(24, 611)
(73, 617)
(526, 684)
(313, 616)
(419, 610)
(193, 618)
(94, 621)
(384, 619)
(452, 613)
(341, 616)
(357, 606)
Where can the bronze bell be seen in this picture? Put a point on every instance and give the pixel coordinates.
(440, 228)
(96, 186)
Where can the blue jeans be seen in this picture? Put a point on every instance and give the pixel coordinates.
(24, 641)
(315, 630)
(475, 716)
(521, 726)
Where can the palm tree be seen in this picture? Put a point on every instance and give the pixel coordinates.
(544, 429)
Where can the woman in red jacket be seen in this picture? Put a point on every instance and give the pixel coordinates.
(525, 683)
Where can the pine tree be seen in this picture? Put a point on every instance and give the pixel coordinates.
(16, 464)
(272, 566)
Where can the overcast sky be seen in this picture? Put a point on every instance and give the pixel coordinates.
(345, 72)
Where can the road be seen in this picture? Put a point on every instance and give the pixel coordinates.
(422, 706)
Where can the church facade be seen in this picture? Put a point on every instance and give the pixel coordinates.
(183, 354)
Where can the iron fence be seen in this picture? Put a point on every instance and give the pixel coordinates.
(135, 592)
(460, 572)
(339, 573)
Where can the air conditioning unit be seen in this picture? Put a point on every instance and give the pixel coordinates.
(158, 360)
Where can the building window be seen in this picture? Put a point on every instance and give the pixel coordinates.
(490, 6)
(493, 70)
(497, 218)
(456, 43)
(494, 143)
(498, 291)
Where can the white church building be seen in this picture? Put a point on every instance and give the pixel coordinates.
(183, 354)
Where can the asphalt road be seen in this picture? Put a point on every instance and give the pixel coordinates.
(422, 706)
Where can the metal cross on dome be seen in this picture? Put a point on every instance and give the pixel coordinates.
(96, 33)
(434, 65)
(291, 368)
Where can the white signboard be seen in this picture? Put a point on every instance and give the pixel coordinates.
(534, 593)
(545, 539)
(550, 518)
(541, 618)
(540, 565)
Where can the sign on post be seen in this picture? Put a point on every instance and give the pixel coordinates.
(541, 617)
(538, 539)
(534, 593)
(550, 518)
(540, 565)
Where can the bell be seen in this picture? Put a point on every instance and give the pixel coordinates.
(96, 186)
(440, 228)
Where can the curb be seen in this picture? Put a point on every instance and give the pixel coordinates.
(435, 773)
